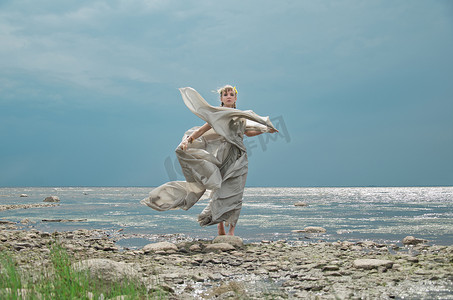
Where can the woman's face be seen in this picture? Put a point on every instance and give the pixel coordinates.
(228, 98)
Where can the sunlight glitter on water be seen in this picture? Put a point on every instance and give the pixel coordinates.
(346, 213)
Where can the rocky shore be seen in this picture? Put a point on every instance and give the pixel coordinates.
(228, 269)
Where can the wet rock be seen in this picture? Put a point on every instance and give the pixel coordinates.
(25, 206)
(52, 199)
(232, 240)
(314, 229)
(6, 222)
(161, 246)
(23, 195)
(63, 220)
(410, 240)
(310, 229)
(300, 204)
(369, 263)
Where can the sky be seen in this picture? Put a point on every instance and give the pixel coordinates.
(361, 91)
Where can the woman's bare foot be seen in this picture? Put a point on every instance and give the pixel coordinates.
(221, 229)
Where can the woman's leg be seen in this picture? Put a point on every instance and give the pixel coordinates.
(231, 231)
(221, 229)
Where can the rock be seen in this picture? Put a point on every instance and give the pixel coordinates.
(310, 229)
(6, 222)
(107, 269)
(195, 248)
(372, 263)
(19, 246)
(410, 240)
(23, 195)
(52, 199)
(215, 277)
(165, 287)
(229, 239)
(162, 246)
(25, 206)
(330, 268)
(198, 278)
(368, 244)
(220, 247)
(300, 204)
(412, 259)
(314, 229)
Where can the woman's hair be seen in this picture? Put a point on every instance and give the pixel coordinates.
(227, 88)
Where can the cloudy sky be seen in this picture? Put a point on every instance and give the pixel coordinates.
(362, 91)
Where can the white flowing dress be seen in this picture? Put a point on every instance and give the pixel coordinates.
(215, 162)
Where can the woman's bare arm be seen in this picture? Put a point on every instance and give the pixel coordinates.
(196, 134)
(255, 132)
(200, 131)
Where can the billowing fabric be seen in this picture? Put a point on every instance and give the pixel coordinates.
(215, 162)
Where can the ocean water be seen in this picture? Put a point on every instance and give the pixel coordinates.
(383, 214)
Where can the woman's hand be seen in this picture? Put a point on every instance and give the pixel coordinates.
(184, 144)
(272, 130)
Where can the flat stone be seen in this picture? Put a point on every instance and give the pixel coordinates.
(229, 239)
(371, 263)
(310, 229)
(314, 229)
(109, 270)
(157, 247)
(220, 247)
(330, 268)
(172, 276)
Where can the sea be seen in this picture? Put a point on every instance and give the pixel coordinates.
(380, 214)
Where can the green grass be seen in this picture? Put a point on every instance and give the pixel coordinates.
(62, 281)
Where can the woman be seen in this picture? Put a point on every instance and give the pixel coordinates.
(212, 157)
